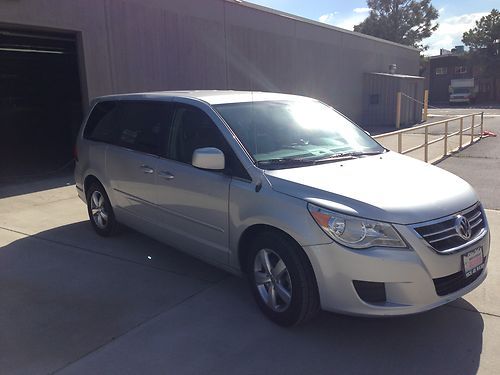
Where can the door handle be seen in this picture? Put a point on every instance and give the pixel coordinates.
(147, 169)
(166, 175)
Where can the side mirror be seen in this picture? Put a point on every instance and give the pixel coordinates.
(209, 158)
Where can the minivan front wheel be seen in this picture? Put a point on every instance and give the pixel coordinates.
(282, 279)
(272, 280)
(100, 211)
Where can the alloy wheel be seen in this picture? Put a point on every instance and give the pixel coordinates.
(272, 280)
(98, 209)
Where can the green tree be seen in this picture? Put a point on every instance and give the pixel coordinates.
(485, 33)
(402, 21)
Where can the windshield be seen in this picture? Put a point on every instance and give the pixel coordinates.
(295, 131)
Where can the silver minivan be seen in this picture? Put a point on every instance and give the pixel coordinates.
(287, 191)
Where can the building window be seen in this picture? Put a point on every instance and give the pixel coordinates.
(460, 69)
(441, 71)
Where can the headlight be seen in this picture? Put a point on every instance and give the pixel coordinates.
(355, 232)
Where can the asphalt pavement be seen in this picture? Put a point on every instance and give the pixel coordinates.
(479, 164)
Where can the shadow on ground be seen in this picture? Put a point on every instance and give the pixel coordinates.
(220, 331)
(65, 292)
(75, 301)
(11, 186)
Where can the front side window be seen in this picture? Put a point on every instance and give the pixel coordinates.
(192, 129)
(275, 132)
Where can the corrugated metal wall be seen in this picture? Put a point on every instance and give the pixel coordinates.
(143, 45)
(380, 99)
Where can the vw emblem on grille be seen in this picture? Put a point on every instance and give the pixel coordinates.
(462, 226)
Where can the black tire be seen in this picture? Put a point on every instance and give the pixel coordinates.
(110, 225)
(304, 303)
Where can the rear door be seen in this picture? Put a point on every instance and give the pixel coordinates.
(141, 127)
(193, 202)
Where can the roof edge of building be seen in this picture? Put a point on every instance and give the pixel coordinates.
(316, 23)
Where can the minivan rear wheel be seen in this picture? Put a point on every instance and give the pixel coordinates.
(100, 211)
(282, 279)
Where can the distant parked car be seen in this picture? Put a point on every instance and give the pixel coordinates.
(288, 191)
(463, 91)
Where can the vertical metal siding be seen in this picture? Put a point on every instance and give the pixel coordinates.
(132, 45)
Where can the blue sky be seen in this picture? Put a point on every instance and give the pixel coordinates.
(456, 16)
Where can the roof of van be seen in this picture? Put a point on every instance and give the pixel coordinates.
(210, 96)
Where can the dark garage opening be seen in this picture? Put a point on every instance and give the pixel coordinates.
(40, 103)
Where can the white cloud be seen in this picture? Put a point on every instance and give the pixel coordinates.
(328, 18)
(361, 10)
(450, 31)
(348, 22)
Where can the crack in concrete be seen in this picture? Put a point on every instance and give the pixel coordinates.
(472, 311)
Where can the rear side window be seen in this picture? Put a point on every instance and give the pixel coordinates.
(101, 125)
(137, 125)
(144, 125)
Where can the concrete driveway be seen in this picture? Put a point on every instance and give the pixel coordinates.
(75, 303)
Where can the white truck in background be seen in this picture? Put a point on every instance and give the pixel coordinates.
(463, 91)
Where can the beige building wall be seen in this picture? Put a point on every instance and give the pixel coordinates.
(144, 45)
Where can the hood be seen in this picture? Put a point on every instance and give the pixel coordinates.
(388, 187)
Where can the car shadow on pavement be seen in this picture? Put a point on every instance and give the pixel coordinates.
(446, 340)
(66, 291)
(224, 333)
(221, 331)
(149, 309)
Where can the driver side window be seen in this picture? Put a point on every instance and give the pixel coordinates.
(192, 129)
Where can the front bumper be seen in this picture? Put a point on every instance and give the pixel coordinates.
(408, 275)
(459, 100)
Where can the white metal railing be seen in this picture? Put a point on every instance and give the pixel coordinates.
(461, 133)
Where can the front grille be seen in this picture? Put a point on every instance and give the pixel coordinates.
(442, 235)
(452, 283)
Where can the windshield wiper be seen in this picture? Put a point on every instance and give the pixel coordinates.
(284, 162)
(346, 155)
(360, 153)
(292, 162)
